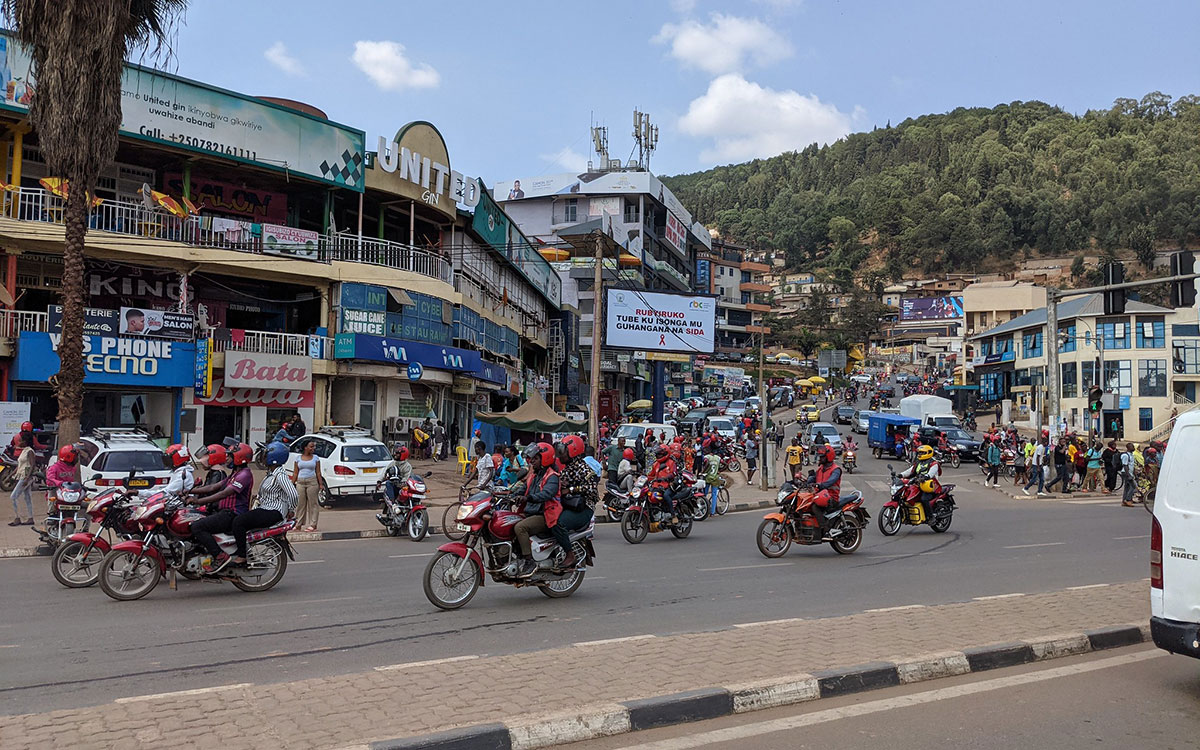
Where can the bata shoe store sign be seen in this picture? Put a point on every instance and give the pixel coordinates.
(268, 371)
(272, 398)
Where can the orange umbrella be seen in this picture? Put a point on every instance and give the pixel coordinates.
(626, 259)
(192, 208)
(169, 203)
(62, 188)
(552, 254)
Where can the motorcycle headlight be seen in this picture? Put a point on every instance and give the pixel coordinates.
(463, 512)
(781, 496)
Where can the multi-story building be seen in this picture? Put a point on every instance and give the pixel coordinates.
(735, 275)
(247, 259)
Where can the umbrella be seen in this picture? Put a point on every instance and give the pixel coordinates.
(817, 379)
(643, 403)
(805, 383)
(192, 208)
(532, 416)
(169, 203)
(554, 254)
(62, 188)
(629, 260)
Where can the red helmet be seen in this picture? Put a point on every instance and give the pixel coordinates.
(215, 455)
(628, 454)
(179, 454)
(650, 432)
(546, 454)
(678, 439)
(573, 446)
(68, 453)
(400, 452)
(826, 452)
(1151, 451)
(241, 455)
(27, 427)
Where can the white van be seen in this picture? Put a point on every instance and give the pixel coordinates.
(1175, 544)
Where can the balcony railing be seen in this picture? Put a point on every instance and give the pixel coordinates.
(133, 219)
(266, 342)
(12, 322)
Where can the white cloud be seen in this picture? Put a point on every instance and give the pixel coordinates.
(567, 158)
(277, 54)
(781, 4)
(747, 121)
(727, 44)
(385, 64)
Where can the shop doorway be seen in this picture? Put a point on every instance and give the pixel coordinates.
(1113, 424)
(221, 422)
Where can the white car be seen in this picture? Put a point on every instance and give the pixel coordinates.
(736, 409)
(352, 461)
(723, 427)
(1175, 544)
(631, 430)
(108, 455)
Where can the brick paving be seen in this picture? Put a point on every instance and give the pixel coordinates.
(351, 709)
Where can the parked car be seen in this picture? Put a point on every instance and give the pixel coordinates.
(736, 409)
(693, 421)
(723, 426)
(353, 460)
(631, 431)
(843, 414)
(861, 422)
(830, 433)
(1175, 545)
(108, 454)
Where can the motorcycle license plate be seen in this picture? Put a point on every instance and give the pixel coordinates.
(139, 483)
(68, 507)
(462, 527)
(370, 471)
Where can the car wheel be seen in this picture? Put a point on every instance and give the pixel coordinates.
(323, 498)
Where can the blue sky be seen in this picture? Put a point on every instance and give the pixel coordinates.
(513, 86)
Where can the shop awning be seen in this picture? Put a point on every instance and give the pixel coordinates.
(399, 296)
(535, 415)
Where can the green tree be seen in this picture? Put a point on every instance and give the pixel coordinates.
(1077, 267)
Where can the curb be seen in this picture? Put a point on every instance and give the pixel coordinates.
(1016, 494)
(607, 719)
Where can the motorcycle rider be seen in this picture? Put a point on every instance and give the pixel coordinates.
(215, 458)
(662, 475)
(277, 499)
(626, 471)
(14, 448)
(65, 469)
(577, 484)
(828, 482)
(541, 486)
(231, 498)
(183, 474)
(396, 473)
(925, 470)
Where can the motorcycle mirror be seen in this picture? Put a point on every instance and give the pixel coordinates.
(95, 478)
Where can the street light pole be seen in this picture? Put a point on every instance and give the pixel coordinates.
(766, 410)
(597, 321)
(1053, 391)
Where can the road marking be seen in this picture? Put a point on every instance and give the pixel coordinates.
(181, 693)
(429, 663)
(743, 567)
(418, 554)
(740, 734)
(896, 609)
(996, 596)
(283, 603)
(1089, 586)
(786, 621)
(604, 641)
(1099, 501)
(878, 486)
(306, 562)
(1027, 546)
(1139, 536)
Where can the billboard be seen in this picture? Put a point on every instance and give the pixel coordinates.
(659, 321)
(931, 308)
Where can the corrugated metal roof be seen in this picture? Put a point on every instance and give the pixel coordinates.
(1083, 306)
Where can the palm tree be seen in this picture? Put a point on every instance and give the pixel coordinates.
(79, 49)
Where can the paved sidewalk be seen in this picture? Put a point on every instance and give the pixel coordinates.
(415, 699)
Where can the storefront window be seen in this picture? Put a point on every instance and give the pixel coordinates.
(1152, 377)
(1145, 419)
(366, 403)
(1088, 371)
(1118, 377)
(1070, 384)
(1116, 334)
(1021, 377)
(1151, 334)
(1185, 356)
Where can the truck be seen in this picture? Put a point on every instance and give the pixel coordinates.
(932, 411)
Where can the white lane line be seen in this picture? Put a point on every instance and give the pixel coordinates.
(604, 641)
(428, 663)
(1139, 536)
(282, 604)
(787, 621)
(1027, 546)
(896, 609)
(743, 567)
(740, 734)
(306, 562)
(418, 554)
(180, 693)
(1098, 501)
(995, 596)
(1089, 586)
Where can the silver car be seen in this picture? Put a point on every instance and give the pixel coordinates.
(828, 431)
(861, 421)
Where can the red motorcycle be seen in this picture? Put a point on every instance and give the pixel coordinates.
(456, 571)
(801, 521)
(406, 514)
(649, 512)
(905, 507)
(132, 568)
(76, 562)
(65, 514)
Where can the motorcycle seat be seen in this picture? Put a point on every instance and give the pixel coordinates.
(849, 498)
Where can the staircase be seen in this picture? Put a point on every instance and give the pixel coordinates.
(1163, 431)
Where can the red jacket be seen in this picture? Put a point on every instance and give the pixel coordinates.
(663, 470)
(827, 472)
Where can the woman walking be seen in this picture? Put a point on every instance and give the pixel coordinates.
(24, 482)
(1095, 463)
(1019, 462)
(306, 475)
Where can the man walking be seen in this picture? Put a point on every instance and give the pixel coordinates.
(1062, 468)
(1129, 474)
(439, 440)
(1036, 469)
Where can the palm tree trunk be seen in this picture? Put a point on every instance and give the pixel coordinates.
(70, 347)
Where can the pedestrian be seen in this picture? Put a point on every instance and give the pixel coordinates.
(1129, 474)
(1019, 462)
(24, 484)
(482, 468)
(751, 446)
(613, 458)
(795, 458)
(455, 436)
(1036, 469)
(420, 442)
(439, 439)
(1062, 468)
(1110, 459)
(297, 428)
(306, 475)
(1095, 464)
(991, 457)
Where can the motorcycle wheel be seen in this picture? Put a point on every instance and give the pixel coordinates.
(260, 459)
(8, 480)
(75, 569)
(849, 540)
(774, 539)
(941, 523)
(635, 525)
(614, 514)
(878, 453)
(735, 465)
(722, 501)
(446, 594)
(849, 468)
(563, 587)
(450, 522)
(125, 577)
(890, 520)
(683, 528)
(955, 461)
(418, 525)
(265, 566)
(702, 509)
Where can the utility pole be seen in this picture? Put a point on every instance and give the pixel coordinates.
(597, 321)
(1053, 391)
(766, 410)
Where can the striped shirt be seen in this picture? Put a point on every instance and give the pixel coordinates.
(278, 493)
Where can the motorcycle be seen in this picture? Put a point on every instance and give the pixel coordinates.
(949, 456)
(66, 513)
(801, 521)
(132, 568)
(8, 472)
(457, 569)
(76, 562)
(648, 512)
(700, 500)
(406, 513)
(905, 507)
(617, 500)
(849, 461)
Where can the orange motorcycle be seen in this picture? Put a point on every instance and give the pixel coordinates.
(802, 521)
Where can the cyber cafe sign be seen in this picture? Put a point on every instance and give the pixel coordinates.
(437, 181)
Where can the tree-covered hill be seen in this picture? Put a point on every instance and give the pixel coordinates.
(969, 190)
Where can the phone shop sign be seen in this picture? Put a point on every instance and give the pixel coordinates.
(111, 360)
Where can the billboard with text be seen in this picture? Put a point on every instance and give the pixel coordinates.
(659, 321)
(931, 308)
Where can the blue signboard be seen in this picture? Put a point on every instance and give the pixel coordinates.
(492, 373)
(415, 371)
(111, 360)
(364, 297)
(1123, 402)
(703, 282)
(400, 351)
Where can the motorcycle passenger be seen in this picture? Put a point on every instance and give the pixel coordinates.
(662, 476)
(183, 475)
(215, 458)
(577, 485)
(231, 499)
(65, 469)
(513, 467)
(626, 471)
(541, 486)
(828, 481)
(925, 470)
(396, 473)
(30, 440)
(277, 499)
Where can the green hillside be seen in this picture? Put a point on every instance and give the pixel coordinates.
(969, 190)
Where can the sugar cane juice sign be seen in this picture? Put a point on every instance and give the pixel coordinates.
(660, 322)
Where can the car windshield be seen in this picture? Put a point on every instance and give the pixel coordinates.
(825, 429)
(138, 461)
(737, 404)
(696, 414)
(845, 410)
(722, 403)
(720, 424)
(367, 452)
(956, 434)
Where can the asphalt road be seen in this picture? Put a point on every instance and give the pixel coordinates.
(1136, 697)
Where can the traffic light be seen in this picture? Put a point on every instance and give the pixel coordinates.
(1095, 395)
(1114, 300)
(1183, 293)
